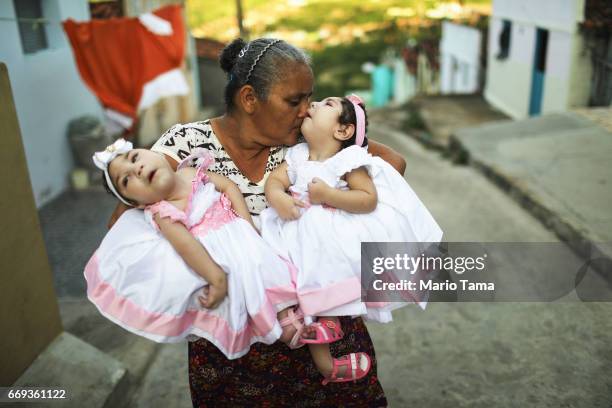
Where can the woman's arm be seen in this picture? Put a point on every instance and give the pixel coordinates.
(276, 193)
(360, 198)
(197, 258)
(231, 190)
(173, 163)
(387, 154)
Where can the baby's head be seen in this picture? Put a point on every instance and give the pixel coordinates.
(137, 177)
(339, 121)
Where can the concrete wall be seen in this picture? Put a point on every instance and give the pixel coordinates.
(460, 58)
(559, 15)
(213, 81)
(509, 81)
(29, 315)
(508, 85)
(48, 93)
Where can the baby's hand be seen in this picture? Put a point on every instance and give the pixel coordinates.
(213, 295)
(287, 207)
(317, 191)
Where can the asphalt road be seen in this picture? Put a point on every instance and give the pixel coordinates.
(521, 354)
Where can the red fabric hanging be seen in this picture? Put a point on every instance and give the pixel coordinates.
(119, 56)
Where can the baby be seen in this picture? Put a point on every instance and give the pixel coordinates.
(339, 197)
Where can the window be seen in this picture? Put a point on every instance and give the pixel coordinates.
(504, 40)
(33, 35)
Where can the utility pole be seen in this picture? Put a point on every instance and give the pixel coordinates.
(243, 33)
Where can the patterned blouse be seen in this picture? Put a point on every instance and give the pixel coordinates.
(178, 142)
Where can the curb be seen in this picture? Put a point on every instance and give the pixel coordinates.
(573, 235)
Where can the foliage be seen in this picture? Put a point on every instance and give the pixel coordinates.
(340, 35)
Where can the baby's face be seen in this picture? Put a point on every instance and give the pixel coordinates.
(322, 120)
(142, 176)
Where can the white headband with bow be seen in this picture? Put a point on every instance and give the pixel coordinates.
(102, 160)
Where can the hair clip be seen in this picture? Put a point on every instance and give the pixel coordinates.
(243, 51)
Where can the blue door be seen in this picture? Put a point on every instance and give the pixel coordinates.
(539, 71)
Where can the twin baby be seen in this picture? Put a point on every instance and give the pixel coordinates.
(195, 265)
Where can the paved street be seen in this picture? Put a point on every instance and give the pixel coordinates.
(489, 354)
(451, 355)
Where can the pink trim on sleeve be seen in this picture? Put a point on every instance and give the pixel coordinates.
(166, 210)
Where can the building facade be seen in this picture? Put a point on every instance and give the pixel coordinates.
(460, 50)
(537, 61)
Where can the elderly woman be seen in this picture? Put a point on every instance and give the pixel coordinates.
(267, 96)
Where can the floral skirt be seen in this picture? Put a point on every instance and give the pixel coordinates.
(275, 376)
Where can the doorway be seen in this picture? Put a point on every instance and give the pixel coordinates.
(539, 72)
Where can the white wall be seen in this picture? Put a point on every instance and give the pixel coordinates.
(48, 93)
(559, 15)
(460, 58)
(508, 81)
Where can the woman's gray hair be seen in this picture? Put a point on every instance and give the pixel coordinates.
(260, 63)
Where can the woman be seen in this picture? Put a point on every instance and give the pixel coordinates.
(267, 96)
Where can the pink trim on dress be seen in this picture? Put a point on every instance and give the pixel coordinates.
(330, 297)
(165, 209)
(284, 294)
(216, 216)
(133, 316)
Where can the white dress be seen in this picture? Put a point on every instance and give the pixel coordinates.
(324, 243)
(137, 279)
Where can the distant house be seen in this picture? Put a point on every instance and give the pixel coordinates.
(423, 63)
(537, 58)
(460, 55)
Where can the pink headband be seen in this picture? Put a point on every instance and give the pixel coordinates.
(359, 113)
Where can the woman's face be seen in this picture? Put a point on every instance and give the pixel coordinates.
(280, 117)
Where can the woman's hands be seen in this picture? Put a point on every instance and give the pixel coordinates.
(387, 154)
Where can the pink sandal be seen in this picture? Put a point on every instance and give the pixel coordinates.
(297, 320)
(326, 331)
(357, 366)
